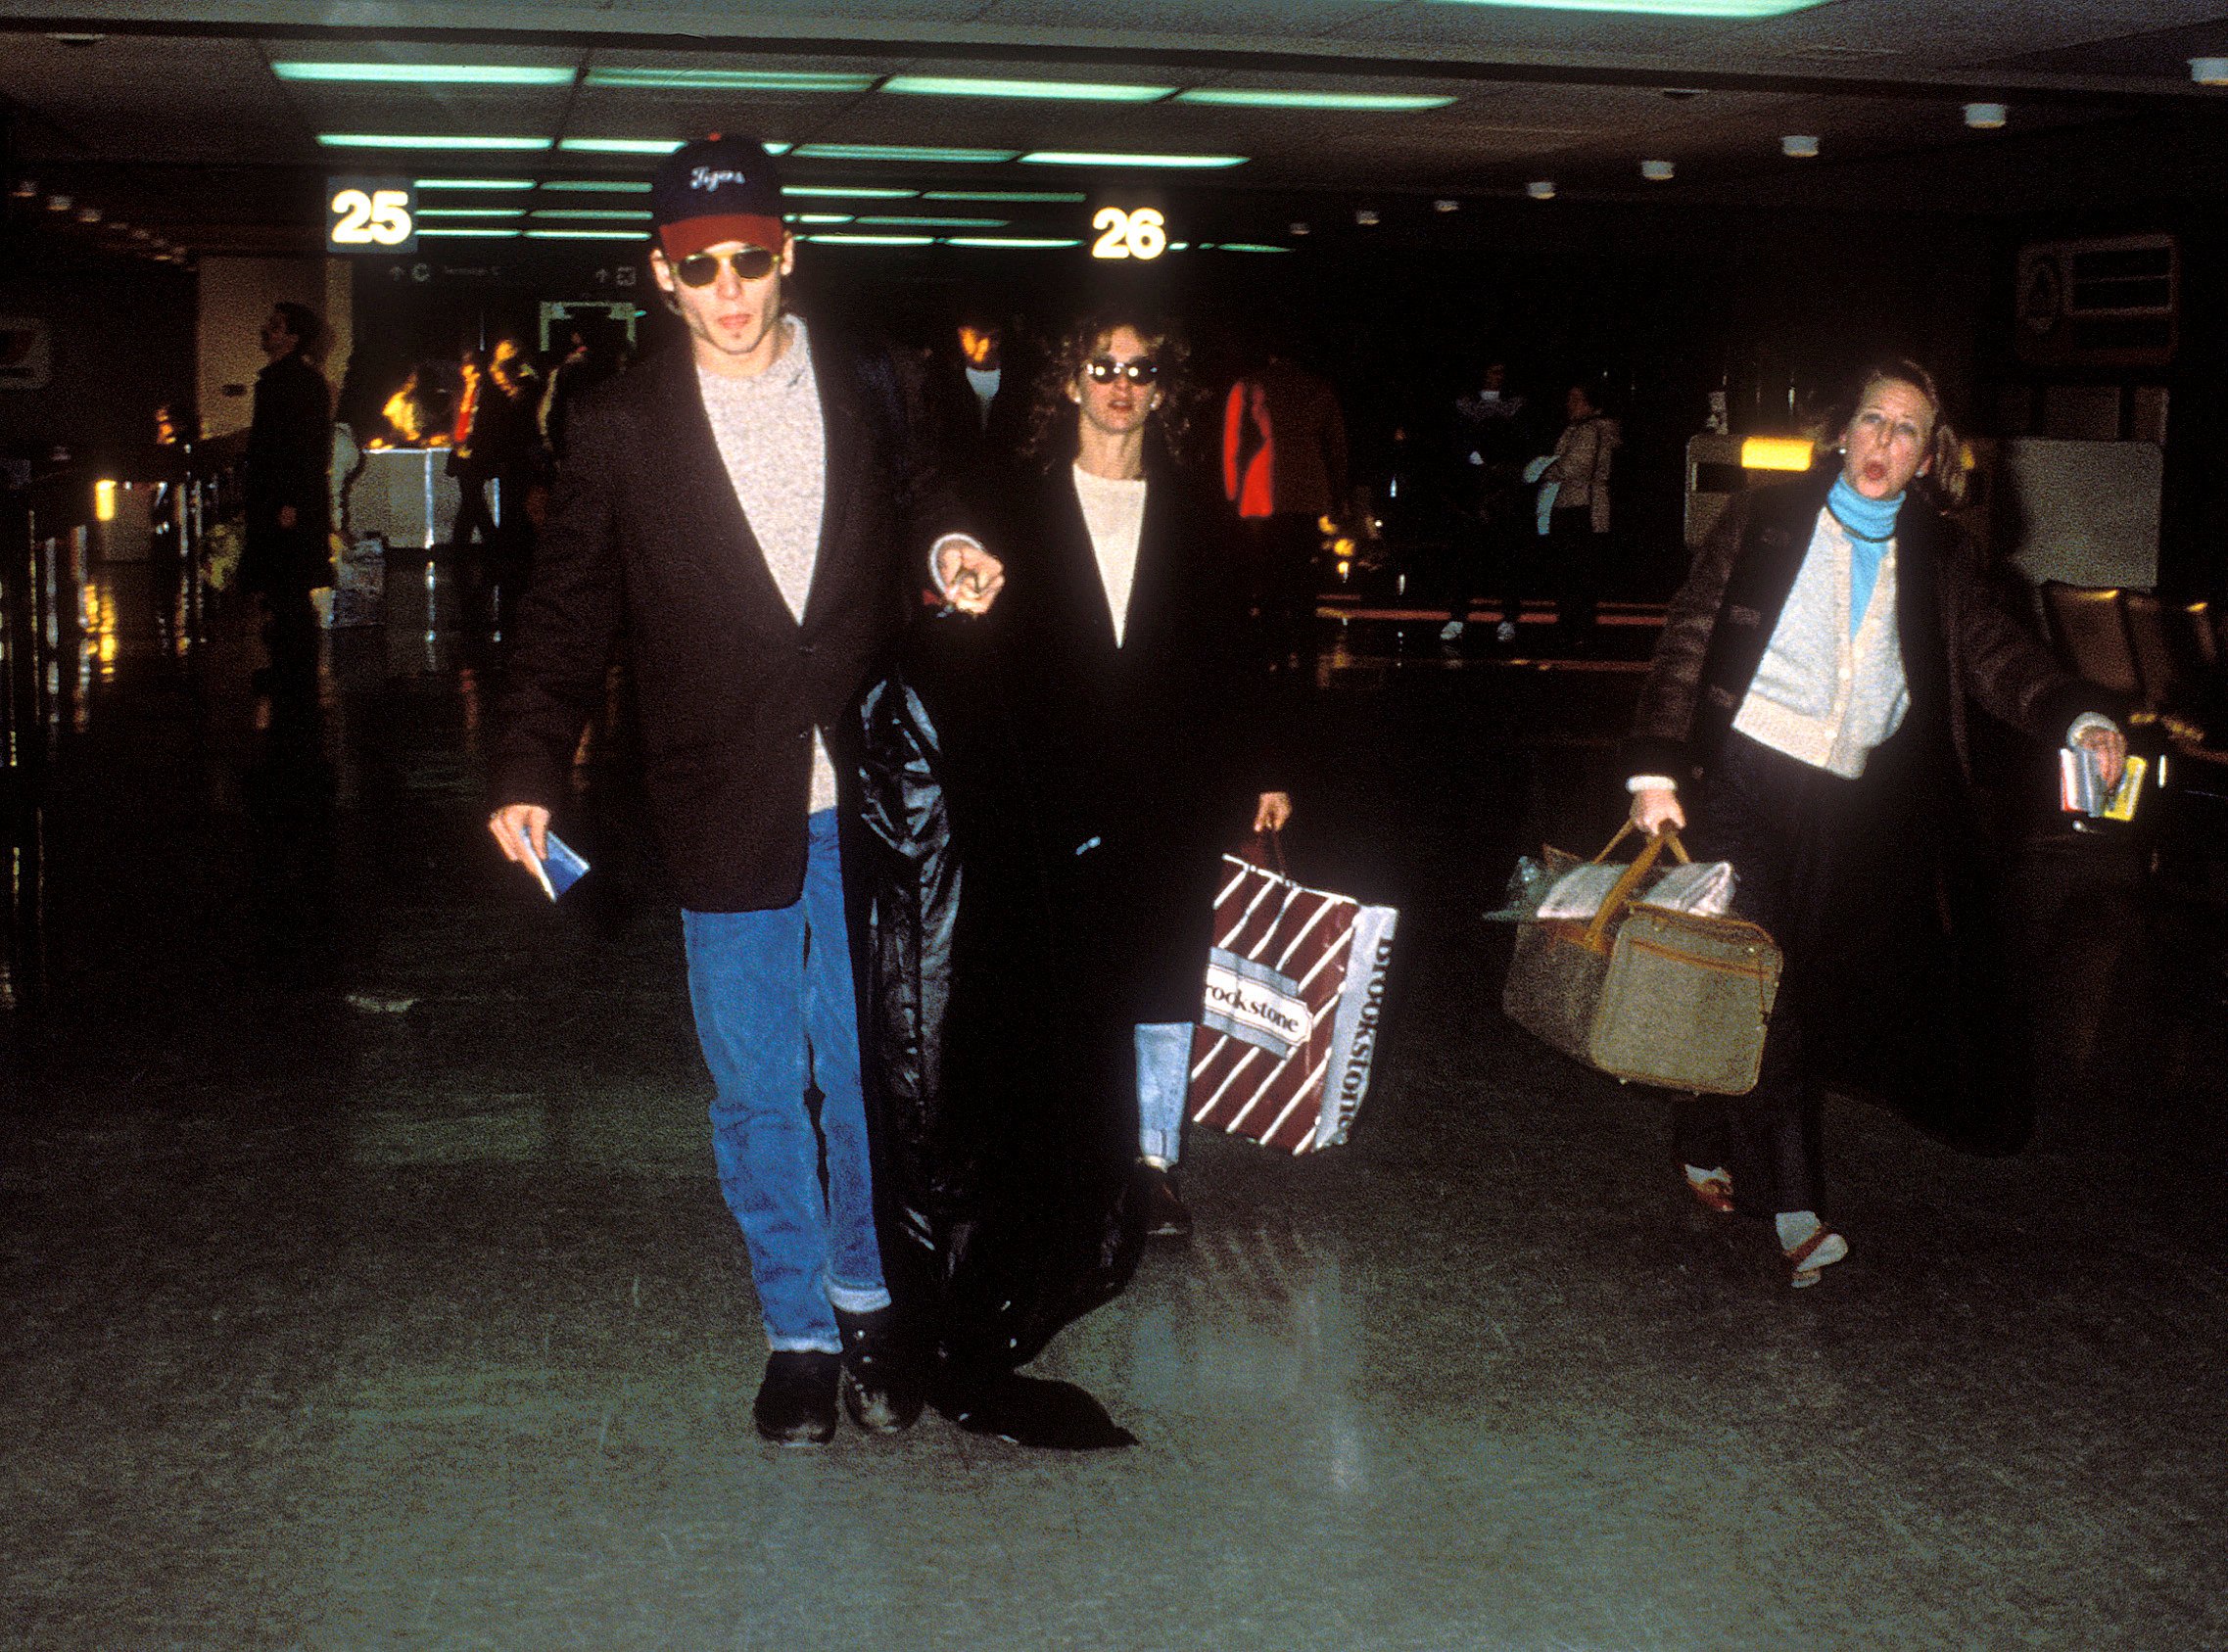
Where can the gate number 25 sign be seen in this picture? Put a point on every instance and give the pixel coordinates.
(370, 216)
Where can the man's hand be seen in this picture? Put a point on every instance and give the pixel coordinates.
(1274, 810)
(2109, 748)
(1655, 808)
(518, 825)
(971, 578)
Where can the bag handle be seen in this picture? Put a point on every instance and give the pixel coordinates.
(1265, 849)
(1621, 893)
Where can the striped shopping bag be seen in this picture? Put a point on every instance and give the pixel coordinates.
(1295, 995)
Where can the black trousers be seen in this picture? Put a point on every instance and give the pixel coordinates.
(1578, 555)
(1797, 837)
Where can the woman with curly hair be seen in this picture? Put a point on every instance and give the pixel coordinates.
(1807, 709)
(1143, 728)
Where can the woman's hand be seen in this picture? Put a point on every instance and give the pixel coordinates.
(1274, 810)
(2109, 748)
(1656, 808)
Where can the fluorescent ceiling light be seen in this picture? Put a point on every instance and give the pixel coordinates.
(833, 191)
(425, 74)
(1077, 157)
(900, 152)
(729, 80)
(819, 217)
(1233, 97)
(583, 235)
(1241, 246)
(622, 146)
(471, 212)
(608, 212)
(1008, 241)
(599, 186)
(481, 234)
(472, 183)
(1064, 91)
(942, 224)
(1061, 197)
(423, 140)
(1661, 8)
(877, 240)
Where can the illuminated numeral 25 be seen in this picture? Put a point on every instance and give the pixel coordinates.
(380, 219)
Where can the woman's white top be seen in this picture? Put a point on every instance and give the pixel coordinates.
(1114, 513)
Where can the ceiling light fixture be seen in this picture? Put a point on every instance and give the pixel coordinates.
(1062, 91)
(471, 212)
(838, 191)
(25, 189)
(1447, 204)
(1240, 97)
(2209, 72)
(1657, 172)
(621, 146)
(1081, 158)
(1246, 247)
(923, 153)
(900, 221)
(1300, 229)
(58, 202)
(728, 80)
(877, 240)
(1985, 116)
(424, 74)
(475, 183)
(1366, 217)
(1662, 8)
(1798, 148)
(424, 140)
(817, 217)
(462, 232)
(1540, 189)
(88, 214)
(609, 215)
(1012, 243)
(583, 235)
(1015, 197)
(599, 186)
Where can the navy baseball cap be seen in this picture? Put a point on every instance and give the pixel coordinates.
(713, 190)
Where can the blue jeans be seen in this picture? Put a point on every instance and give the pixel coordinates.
(1163, 1075)
(776, 1016)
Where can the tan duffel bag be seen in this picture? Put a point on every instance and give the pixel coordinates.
(1644, 993)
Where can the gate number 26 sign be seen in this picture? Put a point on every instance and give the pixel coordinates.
(1139, 234)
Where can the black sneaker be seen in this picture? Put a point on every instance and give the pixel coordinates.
(796, 1402)
(881, 1384)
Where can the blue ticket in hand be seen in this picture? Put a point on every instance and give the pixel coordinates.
(562, 865)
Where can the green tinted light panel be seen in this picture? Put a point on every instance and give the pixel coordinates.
(728, 80)
(424, 74)
(1060, 91)
(599, 186)
(583, 235)
(819, 217)
(939, 224)
(1012, 197)
(621, 146)
(835, 192)
(473, 183)
(612, 215)
(1081, 158)
(917, 153)
(423, 140)
(877, 240)
(1658, 8)
(1012, 243)
(461, 232)
(1231, 97)
(471, 212)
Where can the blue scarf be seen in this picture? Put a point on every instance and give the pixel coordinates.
(1871, 525)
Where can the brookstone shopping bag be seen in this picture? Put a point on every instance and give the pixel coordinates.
(1646, 993)
(1295, 993)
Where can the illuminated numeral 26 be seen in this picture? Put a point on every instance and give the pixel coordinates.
(381, 218)
(1141, 234)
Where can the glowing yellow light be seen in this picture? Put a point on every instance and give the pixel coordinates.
(1326, 524)
(1343, 546)
(1968, 459)
(1774, 453)
(1343, 567)
(104, 501)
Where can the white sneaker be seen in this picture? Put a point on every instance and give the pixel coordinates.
(1505, 631)
(1450, 631)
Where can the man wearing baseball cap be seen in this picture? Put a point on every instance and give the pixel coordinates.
(750, 518)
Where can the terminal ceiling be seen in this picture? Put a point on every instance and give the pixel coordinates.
(175, 116)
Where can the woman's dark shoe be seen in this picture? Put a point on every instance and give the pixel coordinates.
(881, 1386)
(797, 1401)
(1031, 1412)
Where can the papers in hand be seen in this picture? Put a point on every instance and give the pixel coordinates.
(560, 869)
(2081, 788)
